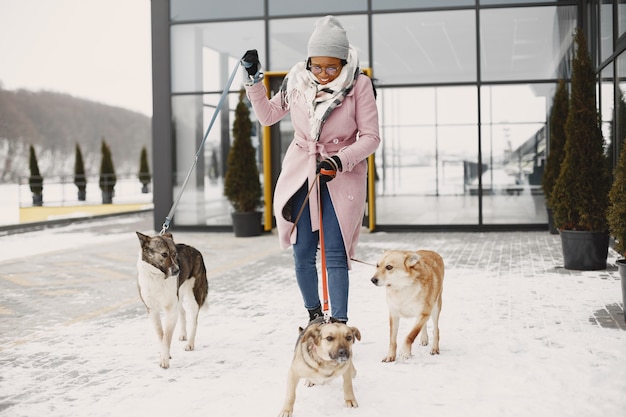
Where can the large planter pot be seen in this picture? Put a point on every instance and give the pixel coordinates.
(145, 189)
(247, 224)
(82, 195)
(107, 197)
(584, 251)
(553, 230)
(37, 200)
(621, 267)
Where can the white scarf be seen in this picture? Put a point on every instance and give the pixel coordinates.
(300, 83)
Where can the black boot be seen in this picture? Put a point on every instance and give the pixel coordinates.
(316, 315)
(334, 320)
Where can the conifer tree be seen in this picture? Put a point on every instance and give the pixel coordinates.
(242, 186)
(35, 181)
(616, 213)
(580, 195)
(558, 116)
(144, 167)
(80, 180)
(107, 170)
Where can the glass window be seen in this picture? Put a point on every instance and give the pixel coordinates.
(289, 39)
(203, 55)
(285, 7)
(428, 156)
(606, 29)
(525, 43)
(430, 134)
(621, 17)
(513, 139)
(606, 104)
(620, 136)
(426, 47)
(203, 202)
(181, 10)
(499, 2)
(412, 4)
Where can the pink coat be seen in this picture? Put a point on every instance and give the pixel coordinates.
(351, 132)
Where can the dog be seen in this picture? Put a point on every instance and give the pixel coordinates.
(171, 278)
(323, 352)
(414, 282)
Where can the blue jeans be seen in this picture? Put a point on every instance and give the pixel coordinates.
(305, 254)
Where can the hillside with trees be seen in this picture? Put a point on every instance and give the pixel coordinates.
(55, 123)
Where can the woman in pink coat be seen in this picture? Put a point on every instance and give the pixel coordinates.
(335, 119)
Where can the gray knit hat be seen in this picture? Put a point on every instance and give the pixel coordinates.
(329, 39)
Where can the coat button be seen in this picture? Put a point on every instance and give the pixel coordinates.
(335, 141)
(350, 197)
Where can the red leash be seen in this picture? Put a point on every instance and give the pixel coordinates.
(325, 296)
(323, 254)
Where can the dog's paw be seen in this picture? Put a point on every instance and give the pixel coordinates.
(182, 337)
(405, 352)
(189, 347)
(286, 413)
(389, 358)
(164, 363)
(434, 351)
(351, 403)
(424, 339)
(309, 383)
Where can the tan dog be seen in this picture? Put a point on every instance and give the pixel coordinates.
(323, 352)
(414, 282)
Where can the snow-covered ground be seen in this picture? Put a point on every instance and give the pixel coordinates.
(518, 336)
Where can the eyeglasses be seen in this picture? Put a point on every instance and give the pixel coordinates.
(317, 70)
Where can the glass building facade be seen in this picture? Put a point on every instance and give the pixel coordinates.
(464, 87)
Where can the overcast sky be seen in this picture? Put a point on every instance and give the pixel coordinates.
(94, 49)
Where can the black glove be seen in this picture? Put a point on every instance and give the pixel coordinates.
(328, 168)
(250, 62)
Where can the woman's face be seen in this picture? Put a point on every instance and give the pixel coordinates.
(325, 68)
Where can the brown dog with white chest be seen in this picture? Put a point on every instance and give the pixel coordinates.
(171, 278)
(323, 352)
(414, 283)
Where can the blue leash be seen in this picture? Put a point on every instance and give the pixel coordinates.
(168, 219)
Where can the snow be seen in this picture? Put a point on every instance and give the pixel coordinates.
(517, 337)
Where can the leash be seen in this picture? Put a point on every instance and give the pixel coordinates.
(363, 262)
(322, 248)
(323, 255)
(325, 296)
(306, 200)
(168, 219)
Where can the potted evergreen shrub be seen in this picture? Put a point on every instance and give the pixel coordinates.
(558, 115)
(144, 171)
(579, 199)
(242, 186)
(107, 174)
(80, 180)
(35, 180)
(616, 216)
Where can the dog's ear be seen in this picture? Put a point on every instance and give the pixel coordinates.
(168, 235)
(412, 259)
(142, 238)
(356, 333)
(313, 332)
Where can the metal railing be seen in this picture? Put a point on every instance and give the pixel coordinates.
(60, 190)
